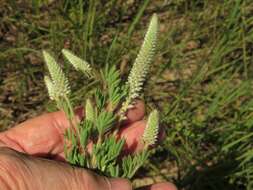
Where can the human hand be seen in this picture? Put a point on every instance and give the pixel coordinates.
(24, 149)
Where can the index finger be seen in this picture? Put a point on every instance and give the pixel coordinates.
(44, 135)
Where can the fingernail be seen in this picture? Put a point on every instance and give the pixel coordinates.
(120, 184)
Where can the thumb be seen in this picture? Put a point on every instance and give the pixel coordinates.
(19, 171)
(91, 181)
(111, 184)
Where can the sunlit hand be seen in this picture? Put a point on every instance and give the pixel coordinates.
(30, 154)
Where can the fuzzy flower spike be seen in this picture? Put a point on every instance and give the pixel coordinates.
(152, 128)
(141, 65)
(57, 84)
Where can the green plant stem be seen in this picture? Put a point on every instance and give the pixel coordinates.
(73, 124)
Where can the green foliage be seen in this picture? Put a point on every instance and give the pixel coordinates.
(103, 112)
(105, 121)
(105, 155)
(116, 91)
(100, 99)
(85, 129)
(132, 163)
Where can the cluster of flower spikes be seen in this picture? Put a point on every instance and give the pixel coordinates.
(105, 111)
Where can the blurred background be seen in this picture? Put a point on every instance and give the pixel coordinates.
(201, 79)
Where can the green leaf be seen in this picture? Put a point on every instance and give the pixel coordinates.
(107, 153)
(131, 163)
(105, 121)
(85, 128)
(111, 76)
(100, 99)
(113, 170)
